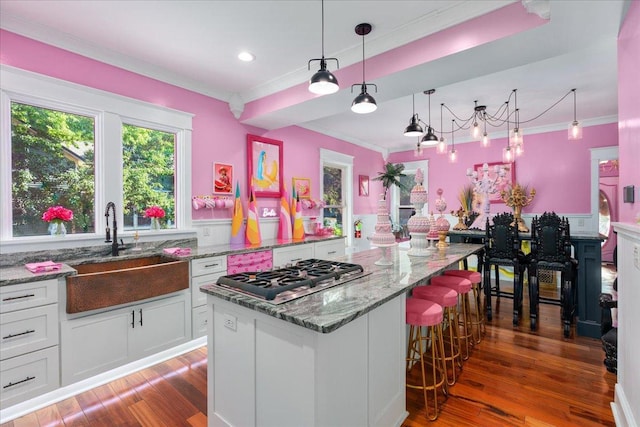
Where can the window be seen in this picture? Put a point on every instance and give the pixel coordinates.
(333, 198)
(336, 176)
(70, 145)
(148, 175)
(51, 164)
(401, 205)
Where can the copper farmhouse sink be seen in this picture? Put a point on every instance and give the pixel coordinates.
(106, 284)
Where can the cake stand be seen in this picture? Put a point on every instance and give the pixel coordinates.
(418, 227)
(386, 260)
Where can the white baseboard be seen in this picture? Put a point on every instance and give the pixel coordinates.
(31, 405)
(622, 414)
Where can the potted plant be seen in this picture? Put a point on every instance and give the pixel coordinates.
(391, 176)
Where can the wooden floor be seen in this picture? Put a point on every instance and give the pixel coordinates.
(514, 377)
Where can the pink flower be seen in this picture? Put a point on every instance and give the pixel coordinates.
(57, 213)
(154, 212)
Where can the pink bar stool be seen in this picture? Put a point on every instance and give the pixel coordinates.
(462, 286)
(476, 280)
(448, 299)
(422, 313)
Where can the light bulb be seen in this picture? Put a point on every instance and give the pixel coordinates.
(453, 156)
(475, 131)
(507, 155)
(575, 130)
(485, 141)
(442, 146)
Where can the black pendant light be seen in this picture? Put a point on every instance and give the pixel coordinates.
(414, 128)
(363, 103)
(430, 138)
(323, 82)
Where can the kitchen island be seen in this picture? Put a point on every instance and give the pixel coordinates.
(333, 358)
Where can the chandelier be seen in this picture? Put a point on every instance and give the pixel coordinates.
(481, 121)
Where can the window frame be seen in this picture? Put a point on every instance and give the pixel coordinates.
(345, 162)
(409, 168)
(110, 112)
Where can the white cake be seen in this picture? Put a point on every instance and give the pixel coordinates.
(383, 234)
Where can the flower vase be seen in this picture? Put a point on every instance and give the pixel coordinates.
(57, 229)
(155, 224)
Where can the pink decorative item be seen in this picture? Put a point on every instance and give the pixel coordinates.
(249, 262)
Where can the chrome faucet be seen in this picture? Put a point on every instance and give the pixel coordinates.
(115, 248)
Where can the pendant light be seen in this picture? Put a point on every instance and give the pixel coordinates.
(485, 141)
(418, 151)
(453, 154)
(442, 143)
(515, 136)
(323, 82)
(507, 153)
(430, 138)
(575, 127)
(414, 128)
(475, 128)
(363, 103)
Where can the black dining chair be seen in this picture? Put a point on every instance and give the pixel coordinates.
(551, 250)
(502, 248)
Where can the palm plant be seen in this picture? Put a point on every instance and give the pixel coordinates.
(391, 176)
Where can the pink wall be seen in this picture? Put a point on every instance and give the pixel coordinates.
(559, 170)
(629, 111)
(217, 135)
(301, 153)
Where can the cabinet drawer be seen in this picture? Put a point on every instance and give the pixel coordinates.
(200, 298)
(28, 330)
(251, 261)
(292, 254)
(27, 295)
(329, 249)
(28, 376)
(208, 265)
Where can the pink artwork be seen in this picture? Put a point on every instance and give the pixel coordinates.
(264, 161)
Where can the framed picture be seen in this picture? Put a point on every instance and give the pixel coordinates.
(363, 185)
(302, 187)
(264, 166)
(222, 178)
(508, 179)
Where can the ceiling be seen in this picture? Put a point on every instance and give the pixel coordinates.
(193, 44)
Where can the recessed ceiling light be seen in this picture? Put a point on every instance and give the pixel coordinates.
(246, 56)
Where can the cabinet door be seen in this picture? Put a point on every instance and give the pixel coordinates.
(329, 249)
(94, 344)
(291, 254)
(27, 295)
(160, 325)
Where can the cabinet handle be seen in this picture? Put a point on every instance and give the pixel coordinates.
(140, 317)
(19, 382)
(296, 259)
(211, 265)
(133, 319)
(17, 335)
(20, 297)
(331, 252)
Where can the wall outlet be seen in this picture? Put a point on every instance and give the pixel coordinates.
(205, 231)
(636, 256)
(581, 222)
(230, 322)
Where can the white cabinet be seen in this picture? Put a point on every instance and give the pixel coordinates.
(292, 254)
(29, 362)
(329, 249)
(204, 271)
(99, 342)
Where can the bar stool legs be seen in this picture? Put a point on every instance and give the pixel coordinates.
(478, 317)
(427, 314)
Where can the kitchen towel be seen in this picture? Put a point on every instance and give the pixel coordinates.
(41, 267)
(178, 251)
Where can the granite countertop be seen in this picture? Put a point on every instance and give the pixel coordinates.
(17, 273)
(332, 308)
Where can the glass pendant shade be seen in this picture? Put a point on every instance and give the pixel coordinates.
(430, 138)
(414, 128)
(515, 137)
(364, 103)
(507, 155)
(442, 146)
(575, 130)
(485, 141)
(476, 133)
(519, 149)
(323, 82)
(453, 156)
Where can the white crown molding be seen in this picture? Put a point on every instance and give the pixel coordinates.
(345, 138)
